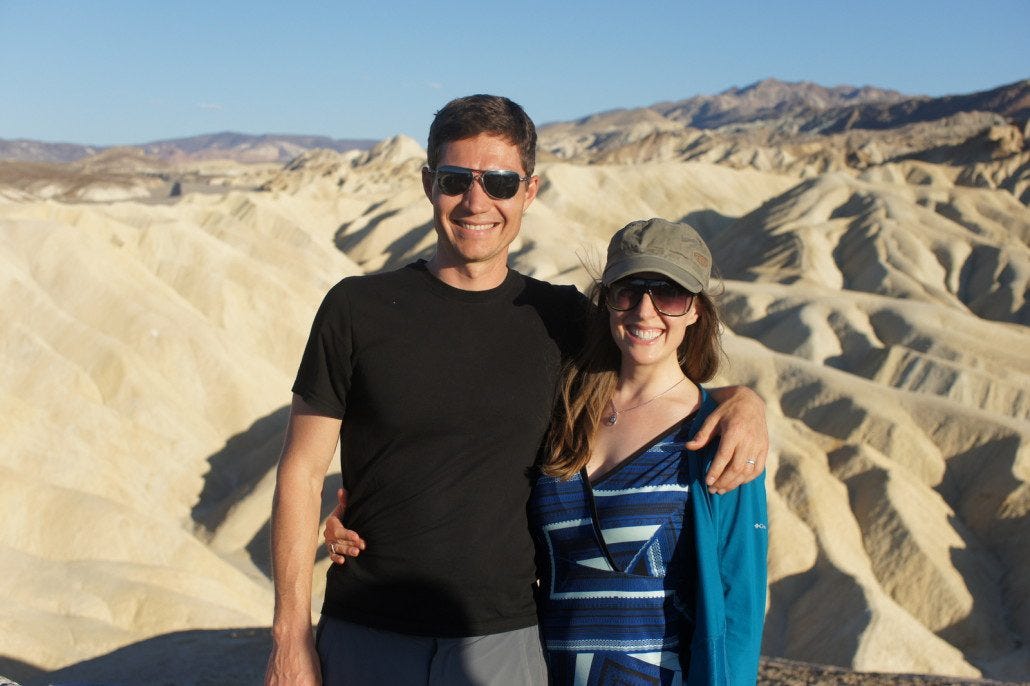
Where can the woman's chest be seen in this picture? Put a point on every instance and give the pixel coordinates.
(629, 523)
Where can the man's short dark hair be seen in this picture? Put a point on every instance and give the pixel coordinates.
(472, 115)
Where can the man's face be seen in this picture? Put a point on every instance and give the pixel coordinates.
(474, 227)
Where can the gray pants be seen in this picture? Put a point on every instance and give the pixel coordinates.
(355, 654)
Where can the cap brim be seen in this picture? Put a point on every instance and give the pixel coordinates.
(650, 263)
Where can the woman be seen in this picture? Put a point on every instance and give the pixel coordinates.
(645, 576)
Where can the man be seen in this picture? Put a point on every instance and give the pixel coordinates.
(437, 380)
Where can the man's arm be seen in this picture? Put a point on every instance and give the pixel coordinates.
(739, 420)
(307, 451)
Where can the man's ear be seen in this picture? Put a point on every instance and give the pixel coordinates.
(532, 186)
(427, 182)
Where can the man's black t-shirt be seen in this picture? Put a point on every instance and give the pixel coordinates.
(445, 396)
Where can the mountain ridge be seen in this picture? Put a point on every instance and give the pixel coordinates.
(804, 107)
(230, 145)
(792, 106)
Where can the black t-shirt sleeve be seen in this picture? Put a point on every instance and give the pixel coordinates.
(578, 309)
(324, 376)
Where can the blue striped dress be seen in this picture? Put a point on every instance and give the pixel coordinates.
(618, 580)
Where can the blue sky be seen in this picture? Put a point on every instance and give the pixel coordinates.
(118, 72)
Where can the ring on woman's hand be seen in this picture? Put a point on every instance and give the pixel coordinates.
(752, 462)
(332, 549)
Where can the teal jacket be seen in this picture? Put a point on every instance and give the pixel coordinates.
(732, 537)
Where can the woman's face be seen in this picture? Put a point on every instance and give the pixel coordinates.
(644, 335)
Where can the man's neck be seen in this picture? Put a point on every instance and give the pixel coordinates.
(476, 276)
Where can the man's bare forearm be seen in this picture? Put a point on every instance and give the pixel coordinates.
(295, 519)
(724, 393)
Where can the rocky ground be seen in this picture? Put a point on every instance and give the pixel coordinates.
(779, 672)
(236, 657)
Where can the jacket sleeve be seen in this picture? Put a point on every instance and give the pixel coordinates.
(742, 525)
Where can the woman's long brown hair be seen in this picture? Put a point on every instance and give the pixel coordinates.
(588, 382)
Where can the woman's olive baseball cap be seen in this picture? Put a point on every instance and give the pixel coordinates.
(657, 245)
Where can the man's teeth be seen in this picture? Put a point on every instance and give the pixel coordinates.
(477, 227)
(646, 334)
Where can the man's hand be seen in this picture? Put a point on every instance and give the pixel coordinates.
(341, 541)
(293, 662)
(739, 420)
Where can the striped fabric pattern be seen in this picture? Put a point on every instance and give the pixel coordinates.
(616, 576)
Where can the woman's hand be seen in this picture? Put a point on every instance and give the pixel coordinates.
(341, 541)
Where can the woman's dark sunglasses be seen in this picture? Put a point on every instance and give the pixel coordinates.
(499, 184)
(668, 298)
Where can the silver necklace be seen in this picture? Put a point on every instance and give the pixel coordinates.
(614, 416)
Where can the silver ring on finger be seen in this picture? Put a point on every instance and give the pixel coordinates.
(332, 549)
(753, 463)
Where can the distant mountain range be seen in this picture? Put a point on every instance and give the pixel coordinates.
(808, 107)
(771, 99)
(240, 147)
(772, 105)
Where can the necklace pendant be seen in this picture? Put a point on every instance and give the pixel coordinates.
(612, 418)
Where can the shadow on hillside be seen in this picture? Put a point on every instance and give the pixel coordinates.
(797, 600)
(234, 657)
(985, 633)
(401, 251)
(21, 672)
(347, 240)
(991, 286)
(260, 546)
(216, 657)
(837, 418)
(979, 147)
(708, 223)
(226, 657)
(235, 472)
(977, 484)
(236, 469)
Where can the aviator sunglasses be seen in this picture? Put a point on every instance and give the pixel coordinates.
(499, 184)
(668, 298)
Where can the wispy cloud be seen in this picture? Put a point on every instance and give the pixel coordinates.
(435, 85)
(209, 106)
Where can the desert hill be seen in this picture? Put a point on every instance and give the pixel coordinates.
(874, 293)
